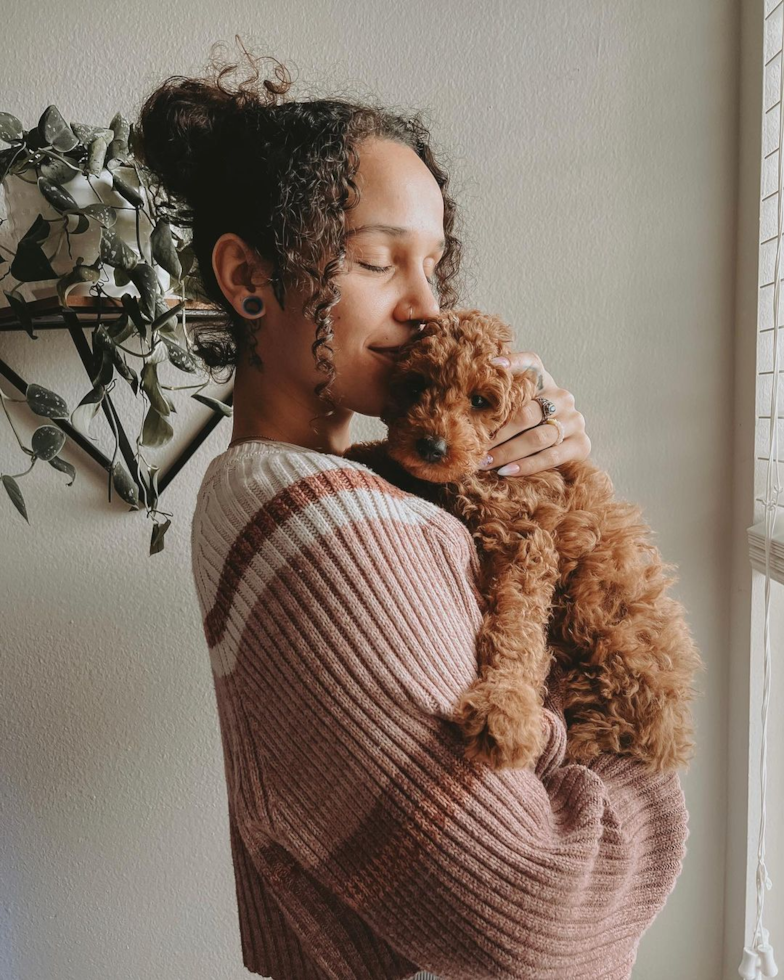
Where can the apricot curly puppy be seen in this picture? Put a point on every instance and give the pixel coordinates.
(568, 574)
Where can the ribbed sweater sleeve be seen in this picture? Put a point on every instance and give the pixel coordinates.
(340, 614)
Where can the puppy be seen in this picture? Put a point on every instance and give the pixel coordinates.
(569, 575)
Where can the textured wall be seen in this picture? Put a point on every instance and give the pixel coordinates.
(593, 148)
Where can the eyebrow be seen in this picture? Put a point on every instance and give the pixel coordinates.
(394, 230)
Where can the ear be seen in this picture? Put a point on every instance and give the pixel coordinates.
(522, 389)
(500, 332)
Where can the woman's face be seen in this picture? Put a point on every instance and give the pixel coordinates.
(385, 289)
(395, 239)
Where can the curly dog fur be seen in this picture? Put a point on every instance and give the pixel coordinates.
(569, 577)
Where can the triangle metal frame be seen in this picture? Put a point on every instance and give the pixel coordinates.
(45, 318)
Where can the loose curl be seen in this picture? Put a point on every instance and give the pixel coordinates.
(279, 174)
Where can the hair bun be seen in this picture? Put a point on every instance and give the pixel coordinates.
(182, 126)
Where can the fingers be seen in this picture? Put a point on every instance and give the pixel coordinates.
(520, 360)
(534, 449)
(532, 415)
(575, 448)
(525, 444)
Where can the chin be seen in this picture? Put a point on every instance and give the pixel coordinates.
(366, 398)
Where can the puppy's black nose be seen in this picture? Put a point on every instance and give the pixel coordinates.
(431, 448)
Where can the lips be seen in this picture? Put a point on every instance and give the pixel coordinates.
(390, 352)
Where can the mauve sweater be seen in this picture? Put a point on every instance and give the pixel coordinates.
(340, 615)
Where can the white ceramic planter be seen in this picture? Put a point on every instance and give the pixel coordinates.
(21, 203)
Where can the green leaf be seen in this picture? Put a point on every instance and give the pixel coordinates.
(47, 441)
(187, 258)
(82, 223)
(180, 357)
(8, 158)
(121, 128)
(79, 274)
(131, 306)
(124, 485)
(16, 495)
(101, 339)
(96, 156)
(57, 196)
(158, 532)
(156, 431)
(124, 189)
(102, 213)
(121, 277)
(105, 371)
(44, 402)
(146, 281)
(120, 330)
(22, 312)
(86, 410)
(115, 251)
(152, 388)
(213, 403)
(56, 131)
(86, 134)
(30, 263)
(152, 486)
(56, 170)
(125, 370)
(159, 354)
(64, 467)
(11, 128)
(37, 232)
(165, 321)
(163, 250)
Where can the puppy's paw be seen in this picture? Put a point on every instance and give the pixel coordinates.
(504, 729)
(582, 747)
(660, 740)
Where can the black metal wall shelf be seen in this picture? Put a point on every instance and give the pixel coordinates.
(85, 312)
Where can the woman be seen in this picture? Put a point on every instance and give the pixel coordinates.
(340, 613)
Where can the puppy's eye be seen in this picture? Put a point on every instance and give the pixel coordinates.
(477, 401)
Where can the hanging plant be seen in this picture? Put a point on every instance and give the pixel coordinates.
(88, 176)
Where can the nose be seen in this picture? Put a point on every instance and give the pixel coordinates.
(431, 448)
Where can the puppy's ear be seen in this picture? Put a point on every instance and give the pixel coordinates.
(517, 392)
(500, 332)
(521, 390)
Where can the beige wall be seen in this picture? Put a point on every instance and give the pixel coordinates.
(594, 148)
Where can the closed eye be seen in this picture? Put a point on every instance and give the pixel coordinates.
(375, 268)
(385, 268)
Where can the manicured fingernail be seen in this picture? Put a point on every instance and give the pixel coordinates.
(509, 470)
(503, 361)
(487, 461)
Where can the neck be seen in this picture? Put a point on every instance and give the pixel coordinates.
(282, 412)
(271, 402)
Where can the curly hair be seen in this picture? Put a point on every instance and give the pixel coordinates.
(278, 173)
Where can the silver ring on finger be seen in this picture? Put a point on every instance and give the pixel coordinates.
(547, 407)
(560, 428)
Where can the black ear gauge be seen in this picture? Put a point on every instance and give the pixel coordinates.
(253, 305)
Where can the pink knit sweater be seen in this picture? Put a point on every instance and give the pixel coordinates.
(340, 616)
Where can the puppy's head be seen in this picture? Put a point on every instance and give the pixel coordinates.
(447, 401)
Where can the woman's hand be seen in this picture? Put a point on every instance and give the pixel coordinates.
(524, 445)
